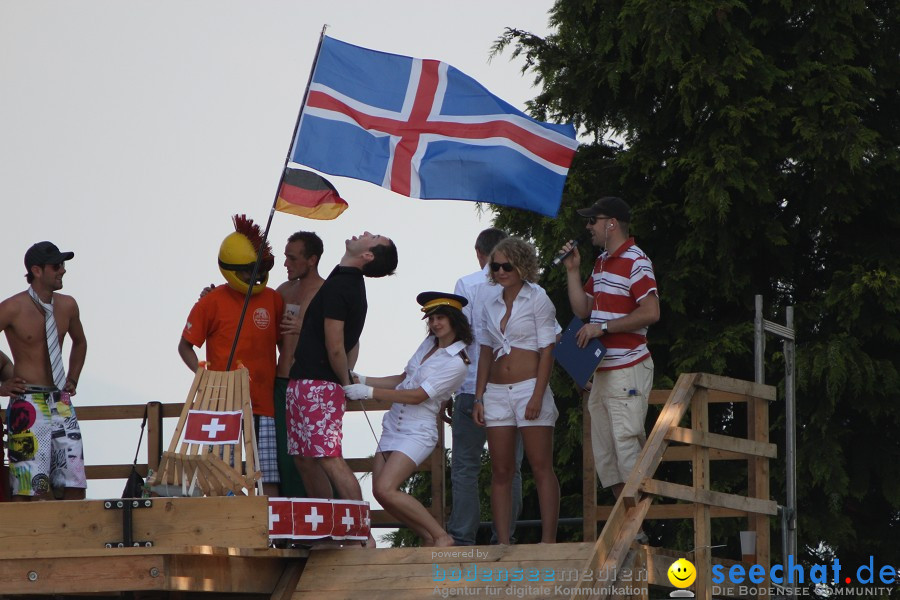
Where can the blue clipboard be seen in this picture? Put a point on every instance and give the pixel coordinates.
(579, 363)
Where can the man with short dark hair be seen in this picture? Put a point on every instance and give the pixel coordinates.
(301, 259)
(326, 351)
(45, 449)
(622, 301)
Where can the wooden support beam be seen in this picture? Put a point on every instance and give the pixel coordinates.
(659, 397)
(758, 484)
(736, 386)
(677, 511)
(170, 522)
(684, 453)
(656, 443)
(613, 544)
(722, 442)
(701, 479)
(684, 492)
(438, 506)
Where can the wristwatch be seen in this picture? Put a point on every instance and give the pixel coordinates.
(604, 327)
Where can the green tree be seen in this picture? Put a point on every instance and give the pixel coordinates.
(757, 143)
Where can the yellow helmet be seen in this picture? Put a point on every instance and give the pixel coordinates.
(239, 251)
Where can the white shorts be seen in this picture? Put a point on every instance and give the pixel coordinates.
(504, 405)
(414, 437)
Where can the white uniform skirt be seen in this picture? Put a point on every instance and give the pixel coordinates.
(415, 436)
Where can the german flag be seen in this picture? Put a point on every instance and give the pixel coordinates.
(305, 194)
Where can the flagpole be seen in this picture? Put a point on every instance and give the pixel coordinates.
(265, 235)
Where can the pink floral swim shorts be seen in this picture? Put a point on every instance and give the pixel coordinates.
(315, 417)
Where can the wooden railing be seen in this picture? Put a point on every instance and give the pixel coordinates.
(153, 436)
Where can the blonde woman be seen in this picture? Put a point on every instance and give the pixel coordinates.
(512, 390)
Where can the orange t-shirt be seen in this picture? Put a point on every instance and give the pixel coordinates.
(214, 320)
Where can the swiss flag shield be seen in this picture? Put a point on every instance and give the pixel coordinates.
(313, 518)
(359, 511)
(281, 518)
(212, 427)
(347, 520)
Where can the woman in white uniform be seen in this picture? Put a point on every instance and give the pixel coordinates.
(512, 391)
(410, 427)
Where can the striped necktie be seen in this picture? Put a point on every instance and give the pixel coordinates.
(56, 363)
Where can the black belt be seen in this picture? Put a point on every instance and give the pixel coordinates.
(40, 389)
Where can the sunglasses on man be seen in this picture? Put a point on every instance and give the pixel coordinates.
(593, 220)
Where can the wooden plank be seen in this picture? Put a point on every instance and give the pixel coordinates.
(86, 524)
(115, 412)
(588, 474)
(701, 480)
(758, 475)
(405, 578)
(677, 511)
(613, 545)
(659, 397)
(736, 386)
(71, 573)
(684, 492)
(154, 435)
(670, 416)
(352, 557)
(722, 442)
(222, 574)
(683, 453)
(288, 582)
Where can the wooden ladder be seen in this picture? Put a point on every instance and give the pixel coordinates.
(612, 547)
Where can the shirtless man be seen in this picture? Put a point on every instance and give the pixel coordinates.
(301, 259)
(45, 448)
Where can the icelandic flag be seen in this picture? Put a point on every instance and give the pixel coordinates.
(426, 130)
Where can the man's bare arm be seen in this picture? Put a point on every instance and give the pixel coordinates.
(352, 357)
(188, 354)
(334, 346)
(78, 352)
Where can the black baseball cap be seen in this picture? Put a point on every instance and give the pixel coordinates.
(45, 253)
(608, 206)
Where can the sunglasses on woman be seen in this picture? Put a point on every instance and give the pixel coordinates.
(507, 266)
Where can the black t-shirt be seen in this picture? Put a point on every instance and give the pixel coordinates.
(343, 298)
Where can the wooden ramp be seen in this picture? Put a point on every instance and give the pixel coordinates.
(527, 571)
(611, 551)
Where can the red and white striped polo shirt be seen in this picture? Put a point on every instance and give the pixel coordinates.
(619, 282)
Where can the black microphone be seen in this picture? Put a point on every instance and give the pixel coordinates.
(565, 255)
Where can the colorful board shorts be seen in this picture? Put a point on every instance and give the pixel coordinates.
(45, 448)
(315, 416)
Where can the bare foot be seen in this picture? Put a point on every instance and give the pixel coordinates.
(444, 541)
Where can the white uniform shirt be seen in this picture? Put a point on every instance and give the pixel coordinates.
(439, 377)
(469, 287)
(531, 325)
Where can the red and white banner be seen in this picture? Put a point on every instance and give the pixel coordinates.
(317, 518)
(281, 518)
(313, 518)
(212, 427)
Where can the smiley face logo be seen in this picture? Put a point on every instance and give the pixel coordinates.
(682, 573)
